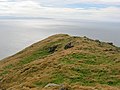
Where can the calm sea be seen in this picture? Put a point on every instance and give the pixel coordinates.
(16, 34)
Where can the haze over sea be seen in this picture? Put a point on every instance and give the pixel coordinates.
(16, 34)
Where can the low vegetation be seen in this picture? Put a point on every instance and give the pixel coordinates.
(77, 62)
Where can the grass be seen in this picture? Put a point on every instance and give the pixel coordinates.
(4, 73)
(58, 78)
(85, 76)
(39, 54)
(86, 58)
(89, 72)
(88, 76)
(36, 55)
(66, 60)
(86, 65)
(40, 84)
(9, 66)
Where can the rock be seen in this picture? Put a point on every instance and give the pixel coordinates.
(64, 87)
(57, 86)
(52, 85)
(110, 43)
(84, 37)
(97, 41)
(53, 49)
(69, 45)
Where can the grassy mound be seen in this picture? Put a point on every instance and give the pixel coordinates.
(85, 65)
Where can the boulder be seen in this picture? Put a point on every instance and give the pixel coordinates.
(52, 85)
(57, 86)
(110, 43)
(64, 87)
(69, 45)
(52, 49)
(97, 41)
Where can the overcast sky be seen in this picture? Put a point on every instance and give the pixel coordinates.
(100, 10)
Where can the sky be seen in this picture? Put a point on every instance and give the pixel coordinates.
(98, 10)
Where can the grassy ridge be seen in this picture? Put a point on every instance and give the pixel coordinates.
(88, 63)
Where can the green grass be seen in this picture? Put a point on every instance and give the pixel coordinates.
(90, 76)
(85, 76)
(39, 54)
(36, 55)
(58, 78)
(40, 84)
(4, 73)
(82, 78)
(86, 73)
(89, 72)
(86, 58)
(66, 60)
(9, 66)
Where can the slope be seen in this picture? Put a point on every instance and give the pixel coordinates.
(74, 63)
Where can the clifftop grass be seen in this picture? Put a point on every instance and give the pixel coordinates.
(90, 64)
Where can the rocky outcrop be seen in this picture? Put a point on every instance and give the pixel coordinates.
(52, 49)
(110, 43)
(52, 85)
(69, 45)
(57, 86)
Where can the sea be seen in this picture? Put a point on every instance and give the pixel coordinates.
(17, 34)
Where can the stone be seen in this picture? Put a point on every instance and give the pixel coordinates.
(97, 41)
(110, 43)
(69, 45)
(52, 49)
(64, 87)
(52, 85)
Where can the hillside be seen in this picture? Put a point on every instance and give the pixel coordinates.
(63, 62)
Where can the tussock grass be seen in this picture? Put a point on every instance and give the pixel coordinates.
(88, 65)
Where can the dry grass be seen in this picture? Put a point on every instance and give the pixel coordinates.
(89, 65)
